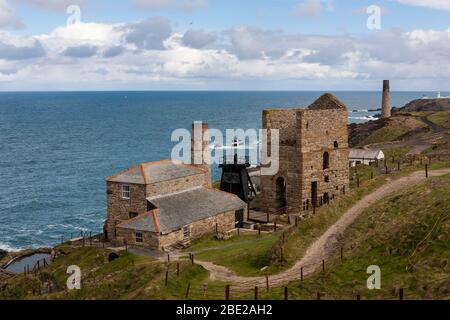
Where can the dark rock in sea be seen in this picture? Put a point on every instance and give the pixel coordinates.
(374, 110)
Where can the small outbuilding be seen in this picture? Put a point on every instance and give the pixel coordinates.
(366, 157)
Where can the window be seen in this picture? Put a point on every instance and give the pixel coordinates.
(336, 145)
(326, 161)
(139, 237)
(327, 179)
(126, 191)
(132, 215)
(186, 232)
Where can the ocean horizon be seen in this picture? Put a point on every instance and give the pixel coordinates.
(57, 148)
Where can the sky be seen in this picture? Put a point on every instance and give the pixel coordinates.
(59, 45)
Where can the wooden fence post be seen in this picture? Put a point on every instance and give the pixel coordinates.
(286, 293)
(256, 293)
(168, 257)
(400, 293)
(426, 171)
(323, 265)
(281, 254)
(301, 274)
(227, 292)
(342, 254)
(167, 278)
(275, 225)
(358, 297)
(192, 259)
(318, 295)
(296, 221)
(267, 283)
(187, 290)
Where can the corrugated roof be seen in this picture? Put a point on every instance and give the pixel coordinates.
(327, 101)
(152, 172)
(365, 154)
(180, 209)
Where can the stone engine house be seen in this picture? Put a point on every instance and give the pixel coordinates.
(160, 204)
(313, 164)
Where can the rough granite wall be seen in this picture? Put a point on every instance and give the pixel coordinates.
(225, 223)
(118, 208)
(305, 136)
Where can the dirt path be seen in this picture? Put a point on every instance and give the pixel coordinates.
(324, 246)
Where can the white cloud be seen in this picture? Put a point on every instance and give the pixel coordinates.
(312, 8)
(56, 5)
(149, 54)
(183, 5)
(433, 4)
(8, 17)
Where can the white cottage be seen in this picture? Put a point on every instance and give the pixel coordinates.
(363, 156)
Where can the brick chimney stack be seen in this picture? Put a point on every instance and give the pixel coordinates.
(386, 105)
(200, 152)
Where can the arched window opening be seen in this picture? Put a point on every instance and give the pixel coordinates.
(336, 145)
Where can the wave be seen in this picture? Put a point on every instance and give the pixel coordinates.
(8, 248)
(364, 118)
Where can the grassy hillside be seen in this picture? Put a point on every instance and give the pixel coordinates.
(396, 127)
(441, 119)
(407, 235)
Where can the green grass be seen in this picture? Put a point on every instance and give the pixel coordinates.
(396, 153)
(415, 226)
(245, 254)
(396, 127)
(441, 119)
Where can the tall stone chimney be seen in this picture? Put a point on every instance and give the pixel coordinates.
(386, 105)
(200, 152)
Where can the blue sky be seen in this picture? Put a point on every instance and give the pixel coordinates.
(216, 44)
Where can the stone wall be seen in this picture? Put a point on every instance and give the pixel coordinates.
(305, 136)
(225, 223)
(118, 209)
(323, 131)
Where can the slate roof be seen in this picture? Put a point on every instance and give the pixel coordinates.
(152, 172)
(366, 154)
(327, 101)
(180, 209)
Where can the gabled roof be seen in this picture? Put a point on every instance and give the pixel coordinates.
(327, 101)
(152, 172)
(366, 154)
(176, 210)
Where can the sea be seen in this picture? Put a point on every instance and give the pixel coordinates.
(56, 148)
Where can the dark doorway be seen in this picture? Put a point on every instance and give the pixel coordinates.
(105, 234)
(314, 193)
(280, 193)
(239, 218)
(326, 161)
(113, 256)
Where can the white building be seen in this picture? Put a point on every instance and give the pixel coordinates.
(363, 156)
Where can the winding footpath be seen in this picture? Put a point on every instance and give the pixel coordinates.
(324, 246)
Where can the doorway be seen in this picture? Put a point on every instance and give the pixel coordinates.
(280, 198)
